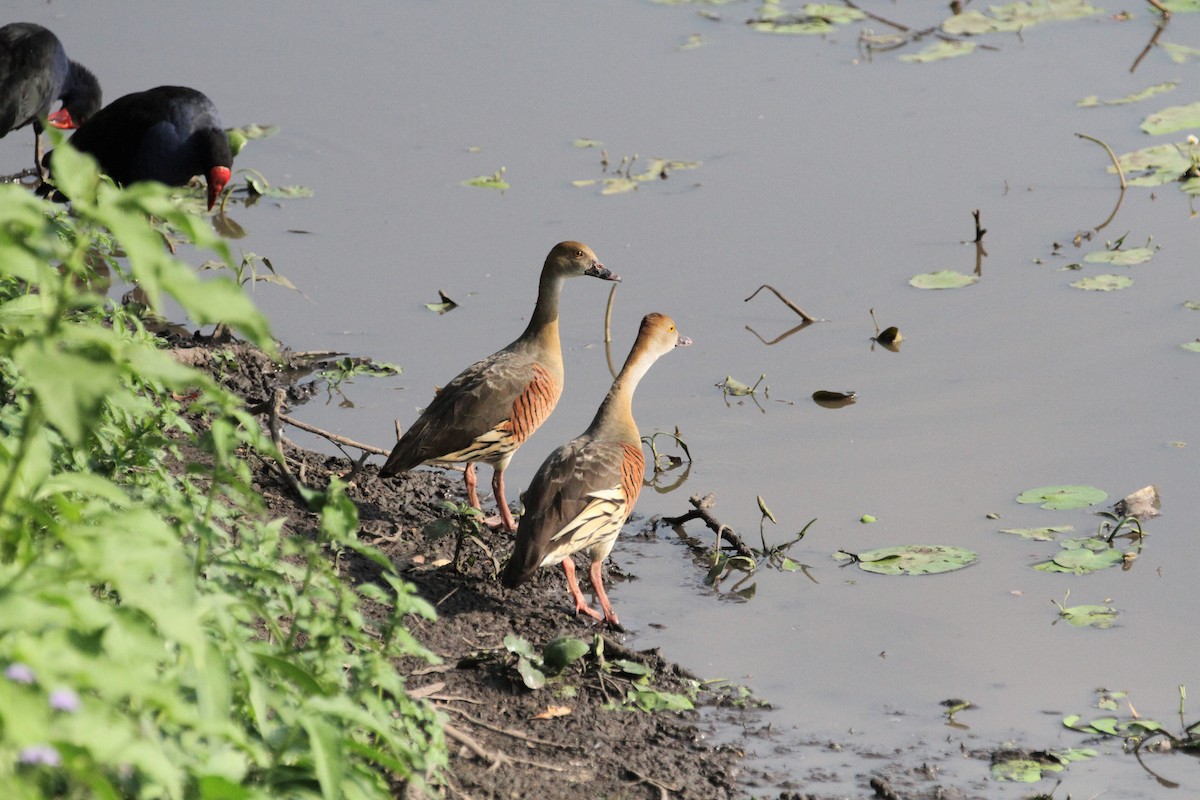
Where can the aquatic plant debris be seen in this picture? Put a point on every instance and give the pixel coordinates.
(911, 559)
(1046, 534)
(493, 181)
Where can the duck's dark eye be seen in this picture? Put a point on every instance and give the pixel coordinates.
(579, 254)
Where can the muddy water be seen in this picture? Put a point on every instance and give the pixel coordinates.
(833, 179)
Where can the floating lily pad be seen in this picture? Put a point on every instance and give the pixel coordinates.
(658, 169)
(1081, 556)
(914, 559)
(939, 51)
(1104, 283)
(1016, 16)
(1061, 497)
(1192, 347)
(493, 181)
(1025, 767)
(1156, 165)
(1179, 53)
(1112, 726)
(1089, 616)
(813, 18)
(1171, 119)
(944, 279)
(1047, 534)
(1124, 258)
(1093, 101)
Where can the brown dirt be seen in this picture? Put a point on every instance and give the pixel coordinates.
(498, 746)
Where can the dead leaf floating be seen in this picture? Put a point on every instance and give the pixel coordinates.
(1142, 505)
(445, 305)
(828, 399)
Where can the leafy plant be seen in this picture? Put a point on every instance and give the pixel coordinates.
(160, 636)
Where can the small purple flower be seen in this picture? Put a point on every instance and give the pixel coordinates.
(40, 754)
(19, 673)
(64, 700)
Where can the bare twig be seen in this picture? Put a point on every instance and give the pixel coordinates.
(979, 231)
(333, 437)
(1107, 149)
(524, 737)
(700, 511)
(1158, 29)
(803, 315)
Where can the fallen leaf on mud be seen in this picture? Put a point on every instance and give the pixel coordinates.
(553, 711)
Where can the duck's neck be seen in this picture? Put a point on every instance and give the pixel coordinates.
(614, 418)
(542, 330)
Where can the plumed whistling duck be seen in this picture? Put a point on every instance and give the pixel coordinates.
(584, 491)
(34, 73)
(492, 406)
(167, 134)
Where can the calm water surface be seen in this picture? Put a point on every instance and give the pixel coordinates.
(833, 179)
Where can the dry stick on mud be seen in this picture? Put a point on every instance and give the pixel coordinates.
(700, 511)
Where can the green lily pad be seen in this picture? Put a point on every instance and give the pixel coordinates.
(813, 18)
(1061, 497)
(1082, 560)
(1156, 165)
(1192, 347)
(1046, 534)
(1089, 616)
(1171, 119)
(1104, 283)
(493, 181)
(939, 51)
(1124, 258)
(1016, 16)
(1093, 101)
(1031, 767)
(1112, 726)
(1179, 53)
(944, 279)
(915, 559)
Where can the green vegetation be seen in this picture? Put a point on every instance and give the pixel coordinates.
(159, 635)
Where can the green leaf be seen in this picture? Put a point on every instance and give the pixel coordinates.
(1062, 497)
(563, 651)
(70, 386)
(630, 667)
(530, 675)
(519, 647)
(1125, 258)
(1171, 119)
(944, 279)
(1104, 283)
(916, 559)
(1081, 561)
(325, 745)
(1192, 347)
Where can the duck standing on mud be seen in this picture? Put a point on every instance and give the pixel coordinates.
(494, 405)
(584, 491)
